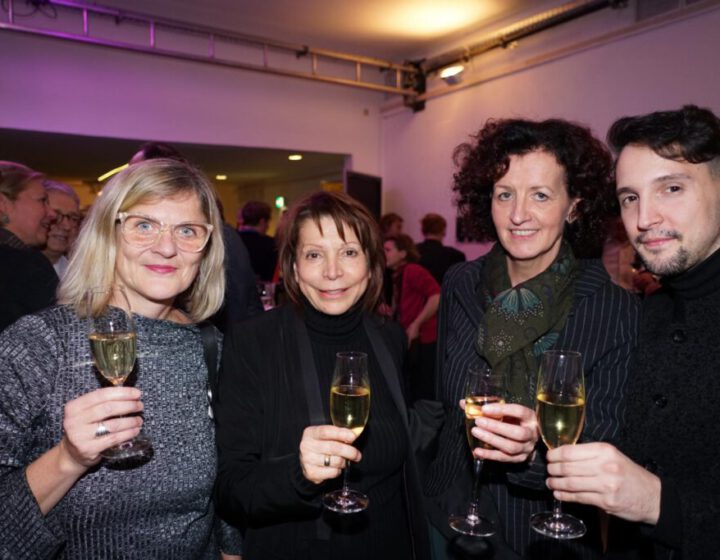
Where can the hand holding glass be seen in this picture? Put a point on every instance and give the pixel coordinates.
(349, 408)
(112, 341)
(561, 414)
(482, 387)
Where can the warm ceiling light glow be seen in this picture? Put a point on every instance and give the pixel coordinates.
(221, 177)
(111, 172)
(294, 157)
(430, 18)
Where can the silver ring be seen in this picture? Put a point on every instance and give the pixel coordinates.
(101, 430)
(326, 460)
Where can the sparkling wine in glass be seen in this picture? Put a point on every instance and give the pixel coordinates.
(482, 387)
(349, 408)
(112, 341)
(561, 415)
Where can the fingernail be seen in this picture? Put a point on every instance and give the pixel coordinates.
(481, 422)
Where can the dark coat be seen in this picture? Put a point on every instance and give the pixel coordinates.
(671, 426)
(27, 283)
(602, 325)
(264, 404)
(438, 258)
(241, 296)
(263, 253)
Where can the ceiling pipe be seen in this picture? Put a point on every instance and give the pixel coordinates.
(524, 28)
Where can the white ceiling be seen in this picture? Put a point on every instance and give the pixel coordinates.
(392, 29)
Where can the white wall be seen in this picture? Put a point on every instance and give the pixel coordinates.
(659, 69)
(57, 86)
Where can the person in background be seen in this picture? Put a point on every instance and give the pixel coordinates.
(27, 279)
(255, 216)
(154, 232)
(543, 191)
(63, 232)
(391, 224)
(279, 452)
(241, 298)
(662, 483)
(416, 297)
(435, 256)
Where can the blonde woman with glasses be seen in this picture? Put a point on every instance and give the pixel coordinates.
(155, 232)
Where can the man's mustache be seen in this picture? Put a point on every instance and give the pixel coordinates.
(663, 234)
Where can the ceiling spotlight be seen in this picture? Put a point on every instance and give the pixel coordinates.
(294, 157)
(452, 74)
(221, 177)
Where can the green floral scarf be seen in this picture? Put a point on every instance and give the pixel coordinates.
(521, 322)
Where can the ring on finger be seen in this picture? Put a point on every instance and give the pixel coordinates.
(101, 430)
(326, 460)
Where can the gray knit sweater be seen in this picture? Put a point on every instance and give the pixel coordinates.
(160, 509)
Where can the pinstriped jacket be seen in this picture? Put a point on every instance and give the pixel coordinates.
(602, 325)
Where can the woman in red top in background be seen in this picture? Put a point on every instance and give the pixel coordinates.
(416, 296)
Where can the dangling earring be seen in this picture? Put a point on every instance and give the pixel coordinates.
(4, 219)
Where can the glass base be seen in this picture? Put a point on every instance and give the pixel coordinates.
(472, 525)
(345, 501)
(558, 526)
(136, 447)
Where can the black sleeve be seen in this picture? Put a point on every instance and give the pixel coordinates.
(253, 487)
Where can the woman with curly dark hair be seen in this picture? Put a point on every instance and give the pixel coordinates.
(543, 191)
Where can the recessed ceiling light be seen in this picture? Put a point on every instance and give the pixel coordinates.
(294, 157)
(221, 177)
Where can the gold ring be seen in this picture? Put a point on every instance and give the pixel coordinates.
(326, 461)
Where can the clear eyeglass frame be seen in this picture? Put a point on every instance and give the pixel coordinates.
(145, 239)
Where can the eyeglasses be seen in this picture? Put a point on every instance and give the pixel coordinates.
(73, 218)
(143, 231)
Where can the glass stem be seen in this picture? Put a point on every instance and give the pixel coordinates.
(472, 514)
(345, 487)
(557, 508)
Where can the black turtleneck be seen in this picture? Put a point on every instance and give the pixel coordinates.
(383, 443)
(700, 281)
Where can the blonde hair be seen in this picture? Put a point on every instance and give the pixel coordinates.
(93, 259)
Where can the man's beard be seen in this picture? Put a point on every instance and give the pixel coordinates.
(675, 264)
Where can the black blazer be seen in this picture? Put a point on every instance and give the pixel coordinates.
(27, 283)
(602, 325)
(267, 396)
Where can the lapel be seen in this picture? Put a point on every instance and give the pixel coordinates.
(387, 366)
(310, 379)
(466, 292)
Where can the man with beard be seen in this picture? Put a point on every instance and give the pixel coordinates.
(64, 230)
(663, 483)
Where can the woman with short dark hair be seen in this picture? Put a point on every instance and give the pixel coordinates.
(279, 452)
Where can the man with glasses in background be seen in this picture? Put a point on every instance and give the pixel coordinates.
(66, 204)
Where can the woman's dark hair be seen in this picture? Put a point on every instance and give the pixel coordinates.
(588, 175)
(405, 243)
(691, 134)
(345, 212)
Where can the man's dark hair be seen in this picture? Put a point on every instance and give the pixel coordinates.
(433, 224)
(254, 211)
(158, 150)
(586, 161)
(691, 134)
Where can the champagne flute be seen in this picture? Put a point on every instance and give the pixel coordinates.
(112, 341)
(482, 387)
(349, 408)
(561, 414)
